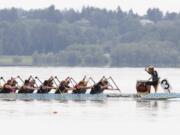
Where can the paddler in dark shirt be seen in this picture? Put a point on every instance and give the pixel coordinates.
(10, 86)
(154, 77)
(47, 86)
(100, 87)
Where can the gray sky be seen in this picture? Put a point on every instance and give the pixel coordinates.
(139, 6)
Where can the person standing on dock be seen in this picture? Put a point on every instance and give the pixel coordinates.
(154, 77)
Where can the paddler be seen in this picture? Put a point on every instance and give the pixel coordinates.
(47, 86)
(27, 87)
(154, 77)
(81, 87)
(63, 86)
(99, 87)
(10, 86)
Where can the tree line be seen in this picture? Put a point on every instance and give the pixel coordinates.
(91, 37)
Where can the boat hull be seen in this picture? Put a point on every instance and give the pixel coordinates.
(161, 96)
(151, 96)
(66, 96)
(51, 96)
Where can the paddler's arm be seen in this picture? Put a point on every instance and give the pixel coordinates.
(71, 88)
(85, 87)
(30, 88)
(112, 89)
(89, 87)
(104, 87)
(8, 86)
(48, 87)
(15, 87)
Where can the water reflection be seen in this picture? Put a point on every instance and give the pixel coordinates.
(153, 104)
(146, 104)
(153, 110)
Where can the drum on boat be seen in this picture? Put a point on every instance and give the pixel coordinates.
(141, 87)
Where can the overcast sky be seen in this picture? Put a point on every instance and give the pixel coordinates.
(139, 6)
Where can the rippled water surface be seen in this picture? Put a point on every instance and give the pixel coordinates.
(113, 116)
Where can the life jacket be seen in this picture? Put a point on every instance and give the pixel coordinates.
(96, 89)
(155, 77)
(78, 90)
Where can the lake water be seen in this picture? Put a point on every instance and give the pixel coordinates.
(113, 116)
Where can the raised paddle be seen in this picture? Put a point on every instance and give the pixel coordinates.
(73, 80)
(57, 79)
(30, 77)
(20, 79)
(72, 83)
(55, 83)
(92, 80)
(3, 79)
(37, 78)
(114, 84)
(57, 86)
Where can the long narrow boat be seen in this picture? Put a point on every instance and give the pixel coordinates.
(51, 96)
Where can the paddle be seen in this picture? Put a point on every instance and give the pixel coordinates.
(30, 77)
(57, 84)
(20, 79)
(73, 80)
(102, 78)
(37, 78)
(92, 80)
(114, 83)
(57, 79)
(3, 79)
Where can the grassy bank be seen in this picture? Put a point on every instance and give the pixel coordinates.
(16, 61)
